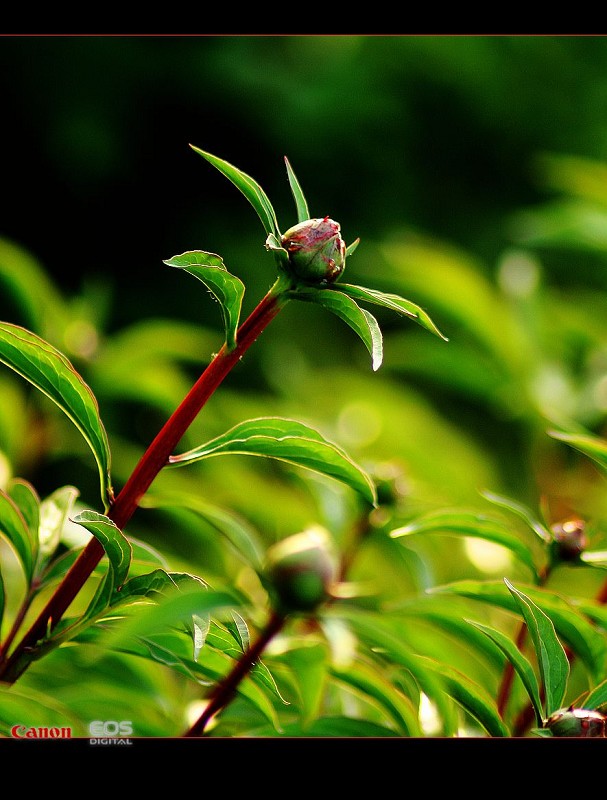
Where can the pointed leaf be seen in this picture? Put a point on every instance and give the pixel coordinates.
(594, 447)
(597, 697)
(28, 502)
(552, 659)
(583, 638)
(521, 665)
(352, 247)
(392, 301)
(170, 611)
(471, 524)
(522, 511)
(300, 201)
(226, 288)
(242, 537)
(250, 189)
(285, 440)
(372, 682)
(472, 697)
(360, 320)
(52, 373)
(14, 528)
(2, 602)
(118, 551)
(377, 632)
(54, 513)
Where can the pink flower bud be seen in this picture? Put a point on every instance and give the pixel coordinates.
(317, 253)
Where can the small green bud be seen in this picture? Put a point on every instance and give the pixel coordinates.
(577, 722)
(317, 253)
(301, 571)
(569, 540)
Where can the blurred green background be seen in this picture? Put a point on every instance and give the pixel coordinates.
(474, 170)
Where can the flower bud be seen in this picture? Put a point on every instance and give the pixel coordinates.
(301, 571)
(569, 540)
(317, 253)
(577, 722)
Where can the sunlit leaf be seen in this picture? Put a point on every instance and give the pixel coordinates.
(470, 696)
(391, 301)
(379, 634)
(173, 610)
(285, 440)
(300, 201)
(52, 373)
(53, 514)
(226, 288)
(28, 502)
(551, 656)
(594, 447)
(521, 665)
(359, 319)
(241, 536)
(118, 551)
(370, 681)
(16, 531)
(522, 511)
(571, 626)
(250, 189)
(471, 524)
(597, 697)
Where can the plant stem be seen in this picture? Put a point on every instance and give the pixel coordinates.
(152, 461)
(225, 690)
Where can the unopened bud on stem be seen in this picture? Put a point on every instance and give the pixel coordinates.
(301, 571)
(317, 253)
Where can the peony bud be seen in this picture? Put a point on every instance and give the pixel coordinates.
(301, 571)
(317, 253)
(580, 723)
(569, 540)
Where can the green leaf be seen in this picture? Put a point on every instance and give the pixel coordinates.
(300, 201)
(372, 682)
(250, 189)
(392, 301)
(472, 697)
(552, 659)
(241, 536)
(336, 727)
(597, 697)
(309, 663)
(226, 288)
(592, 446)
(285, 440)
(15, 529)
(32, 708)
(53, 514)
(361, 321)
(2, 601)
(28, 502)
(152, 584)
(173, 610)
(352, 247)
(380, 635)
(466, 523)
(118, 551)
(52, 373)
(521, 665)
(229, 642)
(522, 511)
(571, 626)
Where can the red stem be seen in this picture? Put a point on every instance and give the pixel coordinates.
(152, 461)
(225, 690)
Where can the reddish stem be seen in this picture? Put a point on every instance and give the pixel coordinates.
(225, 690)
(152, 461)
